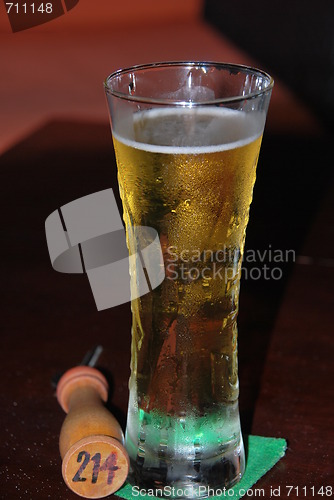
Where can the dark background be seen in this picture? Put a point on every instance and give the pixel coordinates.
(294, 40)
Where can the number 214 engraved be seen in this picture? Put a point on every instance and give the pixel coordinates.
(109, 465)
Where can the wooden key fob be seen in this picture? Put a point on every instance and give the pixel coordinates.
(95, 462)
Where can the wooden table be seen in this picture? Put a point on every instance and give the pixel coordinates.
(286, 335)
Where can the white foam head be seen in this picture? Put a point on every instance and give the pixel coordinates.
(189, 130)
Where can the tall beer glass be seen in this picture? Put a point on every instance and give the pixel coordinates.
(187, 137)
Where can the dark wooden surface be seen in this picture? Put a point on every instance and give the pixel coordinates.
(297, 387)
(49, 319)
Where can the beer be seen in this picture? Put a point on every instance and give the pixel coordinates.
(189, 174)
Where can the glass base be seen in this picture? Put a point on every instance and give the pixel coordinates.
(185, 457)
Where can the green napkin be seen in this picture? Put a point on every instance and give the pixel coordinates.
(263, 454)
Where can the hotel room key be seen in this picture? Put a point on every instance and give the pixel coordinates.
(95, 462)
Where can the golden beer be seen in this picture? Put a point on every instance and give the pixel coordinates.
(189, 174)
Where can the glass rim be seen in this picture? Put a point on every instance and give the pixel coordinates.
(164, 101)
